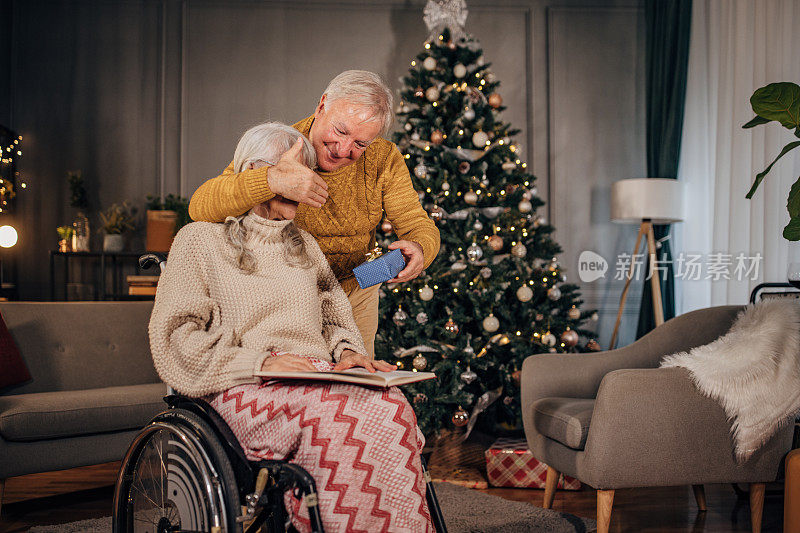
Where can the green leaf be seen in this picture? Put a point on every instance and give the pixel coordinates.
(792, 230)
(778, 101)
(757, 121)
(760, 176)
(793, 202)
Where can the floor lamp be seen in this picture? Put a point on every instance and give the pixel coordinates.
(645, 201)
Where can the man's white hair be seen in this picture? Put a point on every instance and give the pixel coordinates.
(364, 88)
(267, 142)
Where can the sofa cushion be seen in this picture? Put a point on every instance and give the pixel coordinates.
(565, 420)
(50, 415)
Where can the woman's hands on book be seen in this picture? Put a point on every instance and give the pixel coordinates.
(351, 359)
(287, 363)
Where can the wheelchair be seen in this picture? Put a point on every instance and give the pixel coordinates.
(185, 472)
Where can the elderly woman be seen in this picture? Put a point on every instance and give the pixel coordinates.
(256, 293)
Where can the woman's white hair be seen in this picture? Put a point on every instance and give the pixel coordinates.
(364, 88)
(267, 142)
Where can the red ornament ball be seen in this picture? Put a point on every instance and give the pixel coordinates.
(495, 100)
(437, 137)
(460, 418)
(496, 243)
(569, 338)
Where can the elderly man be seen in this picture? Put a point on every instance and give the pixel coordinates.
(359, 176)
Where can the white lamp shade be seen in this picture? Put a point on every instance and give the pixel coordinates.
(658, 199)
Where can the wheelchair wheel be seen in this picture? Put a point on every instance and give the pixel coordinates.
(176, 478)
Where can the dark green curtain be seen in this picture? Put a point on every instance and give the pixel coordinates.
(668, 24)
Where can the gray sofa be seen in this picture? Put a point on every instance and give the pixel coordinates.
(615, 420)
(93, 386)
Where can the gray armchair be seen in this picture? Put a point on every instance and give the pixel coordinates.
(615, 420)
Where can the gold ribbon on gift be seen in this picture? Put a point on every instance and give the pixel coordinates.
(374, 254)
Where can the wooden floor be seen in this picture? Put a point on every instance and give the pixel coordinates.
(85, 493)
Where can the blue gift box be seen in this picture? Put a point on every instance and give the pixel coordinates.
(383, 268)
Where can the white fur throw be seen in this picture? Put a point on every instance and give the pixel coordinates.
(753, 371)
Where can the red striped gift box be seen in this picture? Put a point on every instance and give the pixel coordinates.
(509, 463)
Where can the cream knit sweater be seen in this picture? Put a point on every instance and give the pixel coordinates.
(213, 324)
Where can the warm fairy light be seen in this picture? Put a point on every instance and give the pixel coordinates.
(435, 286)
(544, 279)
(461, 132)
(519, 333)
(435, 104)
(455, 289)
(512, 228)
(427, 147)
(477, 74)
(428, 189)
(512, 148)
(483, 82)
(460, 248)
(447, 193)
(441, 37)
(502, 193)
(8, 236)
(517, 161)
(500, 141)
(526, 184)
(413, 63)
(478, 191)
(408, 156)
(427, 46)
(530, 282)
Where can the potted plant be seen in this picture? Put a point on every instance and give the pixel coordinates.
(780, 102)
(164, 219)
(65, 234)
(117, 220)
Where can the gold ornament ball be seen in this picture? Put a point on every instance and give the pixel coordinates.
(429, 63)
(400, 317)
(479, 139)
(419, 362)
(386, 226)
(420, 171)
(519, 250)
(574, 313)
(569, 338)
(460, 418)
(490, 323)
(554, 293)
(459, 71)
(496, 243)
(426, 294)
(471, 197)
(437, 137)
(525, 206)
(451, 327)
(524, 293)
(437, 214)
(495, 100)
(432, 94)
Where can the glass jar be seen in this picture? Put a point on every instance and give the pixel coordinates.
(81, 233)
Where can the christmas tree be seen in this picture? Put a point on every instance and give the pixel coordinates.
(496, 292)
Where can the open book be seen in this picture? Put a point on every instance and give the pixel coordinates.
(358, 376)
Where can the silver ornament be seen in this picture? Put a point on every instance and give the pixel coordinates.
(469, 113)
(420, 171)
(415, 136)
(534, 191)
(400, 317)
(408, 126)
(519, 250)
(509, 166)
(419, 362)
(549, 339)
(445, 186)
(485, 181)
(468, 349)
(524, 293)
(429, 63)
(437, 213)
(525, 206)
(490, 323)
(474, 252)
(478, 225)
(468, 376)
(574, 313)
(595, 317)
(554, 293)
(422, 317)
(569, 338)
(459, 70)
(471, 197)
(486, 272)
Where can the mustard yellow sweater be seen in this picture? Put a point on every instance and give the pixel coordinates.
(344, 227)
